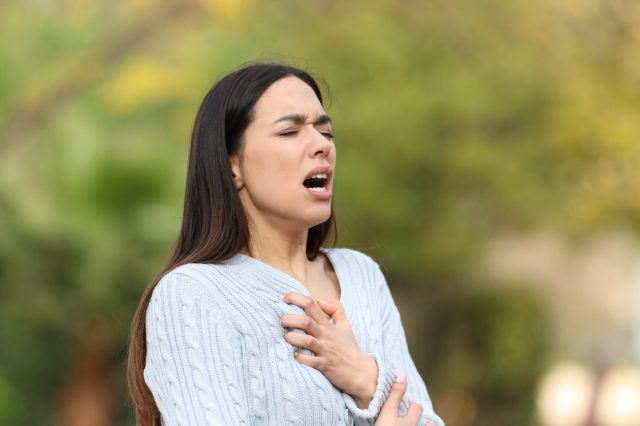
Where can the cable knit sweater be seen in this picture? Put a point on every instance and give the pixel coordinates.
(216, 353)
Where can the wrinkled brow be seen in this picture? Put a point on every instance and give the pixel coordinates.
(301, 118)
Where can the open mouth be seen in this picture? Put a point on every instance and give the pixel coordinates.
(317, 182)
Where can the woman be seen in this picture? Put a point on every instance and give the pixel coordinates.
(209, 341)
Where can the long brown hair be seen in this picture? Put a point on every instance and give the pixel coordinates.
(214, 225)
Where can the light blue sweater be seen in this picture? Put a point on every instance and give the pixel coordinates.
(216, 353)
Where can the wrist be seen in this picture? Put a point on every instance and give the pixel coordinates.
(366, 387)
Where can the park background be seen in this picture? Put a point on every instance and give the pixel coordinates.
(488, 158)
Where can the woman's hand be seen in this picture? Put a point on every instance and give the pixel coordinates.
(389, 412)
(337, 354)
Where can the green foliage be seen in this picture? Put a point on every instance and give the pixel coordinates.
(454, 122)
(492, 345)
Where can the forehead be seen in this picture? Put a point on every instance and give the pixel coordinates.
(288, 95)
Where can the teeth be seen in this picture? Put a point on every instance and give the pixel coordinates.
(318, 176)
(317, 189)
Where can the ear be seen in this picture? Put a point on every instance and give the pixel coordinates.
(234, 163)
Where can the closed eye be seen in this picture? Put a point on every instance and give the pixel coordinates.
(290, 133)
(328, 135)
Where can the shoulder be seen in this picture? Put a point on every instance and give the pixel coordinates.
(357, 262)
(350, 255)
(191, 282)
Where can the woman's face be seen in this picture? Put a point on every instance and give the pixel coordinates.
(288, 141)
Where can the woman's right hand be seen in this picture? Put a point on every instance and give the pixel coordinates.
(389, 412)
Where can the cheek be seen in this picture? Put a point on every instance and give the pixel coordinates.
(274, 169)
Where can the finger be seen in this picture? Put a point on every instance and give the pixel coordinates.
(309, 306)
(413, 413)
(334, 309)
(310, 360)
(328, 307)
(303, 322)
(395, 396)
(304, 341)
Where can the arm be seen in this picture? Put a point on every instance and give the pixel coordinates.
(192, 366)
(393, 358)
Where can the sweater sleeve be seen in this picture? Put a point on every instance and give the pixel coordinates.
(393, 358)
(193, 367)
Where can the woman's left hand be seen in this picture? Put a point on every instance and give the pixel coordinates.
(337, 354)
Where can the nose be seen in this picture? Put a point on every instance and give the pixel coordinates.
(320, 144)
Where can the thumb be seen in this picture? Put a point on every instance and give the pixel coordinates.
(413, 413)
(392, 404)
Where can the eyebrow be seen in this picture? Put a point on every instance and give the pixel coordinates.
(301, 118)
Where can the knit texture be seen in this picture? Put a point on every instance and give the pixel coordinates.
(216, 353)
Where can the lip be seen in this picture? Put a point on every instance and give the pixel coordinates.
(321, 195)
(322, 169)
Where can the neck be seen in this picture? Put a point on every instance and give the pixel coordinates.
(286, 251)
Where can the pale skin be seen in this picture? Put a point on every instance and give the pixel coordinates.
(289, 135)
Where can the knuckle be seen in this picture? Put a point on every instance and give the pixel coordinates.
(416, 407)
(322, 364)
(307, 321)
(311, 341)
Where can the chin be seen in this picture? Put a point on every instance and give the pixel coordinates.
(318, 219)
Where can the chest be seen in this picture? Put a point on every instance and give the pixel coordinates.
(324, 287)
(281, 390)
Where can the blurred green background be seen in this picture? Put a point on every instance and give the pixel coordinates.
(488, 159)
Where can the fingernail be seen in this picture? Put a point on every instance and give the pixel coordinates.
(281, 297)
(401, 378)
